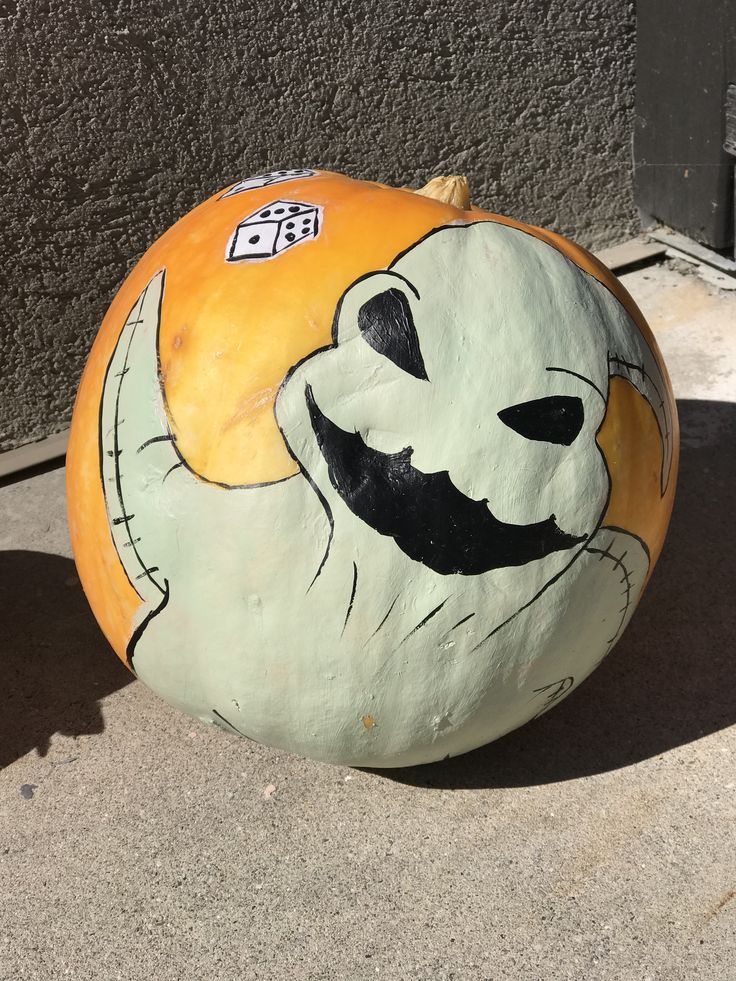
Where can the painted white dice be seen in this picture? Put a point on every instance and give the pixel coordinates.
(266, 180)
(272, 229)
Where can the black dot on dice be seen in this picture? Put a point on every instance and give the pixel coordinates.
(265, 214)
(281, 173)
(306, 221)
(290, 236)
(290, 224)
(278, 211)
(254, 238)
(294, 208)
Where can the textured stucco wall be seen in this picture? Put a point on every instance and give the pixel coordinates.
(120, 117)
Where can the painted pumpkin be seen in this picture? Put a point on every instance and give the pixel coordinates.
(366, 474)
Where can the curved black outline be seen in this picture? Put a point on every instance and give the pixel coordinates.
(307, 476)
(624, 531)
(174, 442)
(138, 632)
(583, 378)
(171, 469)
(155, 439)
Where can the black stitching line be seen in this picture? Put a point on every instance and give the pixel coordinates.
(352, 598)
(171, 470)
(459, 623)
(388, 613)
(424, 621)
(167, 437)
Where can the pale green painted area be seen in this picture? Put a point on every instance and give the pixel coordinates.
(244, 636)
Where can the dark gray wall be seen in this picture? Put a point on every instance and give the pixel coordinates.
(120, 117)
(686, 58)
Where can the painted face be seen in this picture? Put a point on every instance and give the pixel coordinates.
(459, 405)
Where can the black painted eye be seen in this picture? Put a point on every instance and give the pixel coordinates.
(555, 419)
(386, 323)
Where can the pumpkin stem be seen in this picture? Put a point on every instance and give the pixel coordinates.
(450, 190)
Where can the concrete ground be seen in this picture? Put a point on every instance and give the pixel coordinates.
(597, 842)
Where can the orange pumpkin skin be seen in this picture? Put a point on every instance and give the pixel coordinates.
(230, 333)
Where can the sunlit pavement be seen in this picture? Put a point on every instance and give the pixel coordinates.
(598, 842)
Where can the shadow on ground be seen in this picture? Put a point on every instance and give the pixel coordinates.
(55, 664)
(669, 681)
(672, 678)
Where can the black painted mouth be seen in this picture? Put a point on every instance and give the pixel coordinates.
(426, 515)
